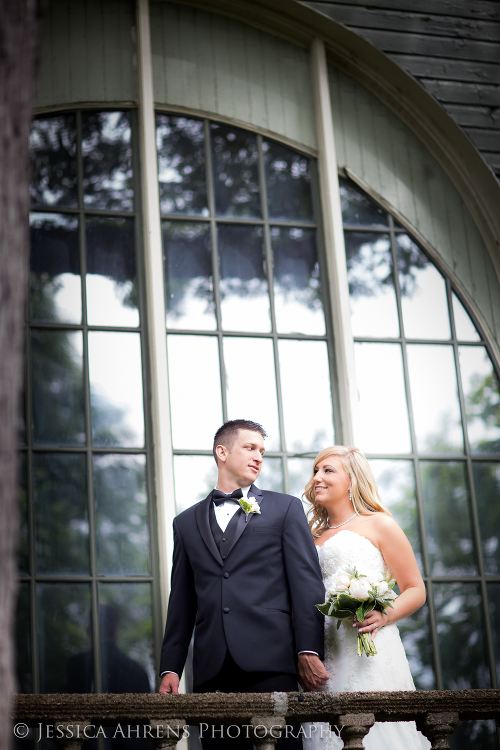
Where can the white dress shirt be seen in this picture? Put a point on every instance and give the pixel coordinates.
(226, 510)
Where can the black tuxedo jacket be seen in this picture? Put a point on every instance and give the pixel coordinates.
(244, 603)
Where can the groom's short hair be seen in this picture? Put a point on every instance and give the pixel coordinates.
(226, 435)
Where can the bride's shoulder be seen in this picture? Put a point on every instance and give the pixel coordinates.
(381, 523)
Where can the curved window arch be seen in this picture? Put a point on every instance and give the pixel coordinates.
(430, 418)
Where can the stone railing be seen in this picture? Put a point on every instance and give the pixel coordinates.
(72, 719)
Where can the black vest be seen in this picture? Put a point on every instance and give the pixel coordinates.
(223, 539)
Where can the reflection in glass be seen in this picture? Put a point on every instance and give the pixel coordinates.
(107, 161)
(482, 399)
(307, 400)
(236, 178)
(445, 498)
(357, 209)
(243, 282)
(299, 473)
(53, 158)
(64, 630)
(61, 513)
(115, 374)
(461, 636)
(474, 735)
(494, 610)
(55, 282)
(23, 533)
(396, 484)
(271, 475)
(487, 486)
(382, 400)
(416, 638)
(195, 477)
(464, 327)
(189, 294)
(195, 390)
(297, 286)
(57, 386)
(111, 280)
(288, 180)
(23, 639)
(249, 361)
(374, 310)
(121, 515)
(434, 393)
(423, 293)
(180, 143)
(126, 636)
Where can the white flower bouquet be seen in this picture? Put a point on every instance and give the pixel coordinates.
(355, 595)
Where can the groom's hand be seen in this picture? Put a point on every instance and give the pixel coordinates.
(312, 674)
(169, 684)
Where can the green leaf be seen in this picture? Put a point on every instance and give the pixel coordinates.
(324, 608)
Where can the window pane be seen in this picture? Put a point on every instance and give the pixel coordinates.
(115, 373)
(461, 636)
(23, 639)
(121, 508)
(374, 310)
(180, 142)
(271, 475)
(111, 280)
(243, 282)
(415, 634)
(297, 286)
(434, 394)
(61, 513)
(494, 609)
(358, 210)
(126, 634)
(382, 399)
(53, 157)
(249, 362)
(189, 293)
(195, 398)
(236, 178)
(445, 498)
(65, 638)
(299, 473)
(307, 399)
(195, 477)
(482, 399)
(396, 484)
(423, 293)
(57, 384)
(107, 161)
(23, 561)
(474, 735)
(464, 327)
(487, 485)
(55, 282)
(288, 179)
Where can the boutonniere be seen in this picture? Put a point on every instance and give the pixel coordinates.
(249, 506)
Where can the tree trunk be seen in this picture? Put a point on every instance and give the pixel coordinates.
(19, 33)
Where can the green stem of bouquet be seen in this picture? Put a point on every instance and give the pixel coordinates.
(366, 644)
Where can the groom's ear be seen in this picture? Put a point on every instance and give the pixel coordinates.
(221, 452)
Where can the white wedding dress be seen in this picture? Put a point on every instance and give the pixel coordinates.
(348, 672)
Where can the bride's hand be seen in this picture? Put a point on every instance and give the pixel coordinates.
(372, 623)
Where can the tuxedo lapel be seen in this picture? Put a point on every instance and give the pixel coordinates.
(243, 521)
(203, 521)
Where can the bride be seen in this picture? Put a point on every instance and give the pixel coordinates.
(351, 527)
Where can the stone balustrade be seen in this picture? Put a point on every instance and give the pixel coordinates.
(263, 717)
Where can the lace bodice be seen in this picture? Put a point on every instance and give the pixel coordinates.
(347, 549)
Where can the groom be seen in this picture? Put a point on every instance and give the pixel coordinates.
(247, 582)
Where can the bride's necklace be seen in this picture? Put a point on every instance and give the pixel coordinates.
(343, 522)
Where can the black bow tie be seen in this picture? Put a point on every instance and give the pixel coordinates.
(219, 497)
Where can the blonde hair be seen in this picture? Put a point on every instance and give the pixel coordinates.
(364, 491)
